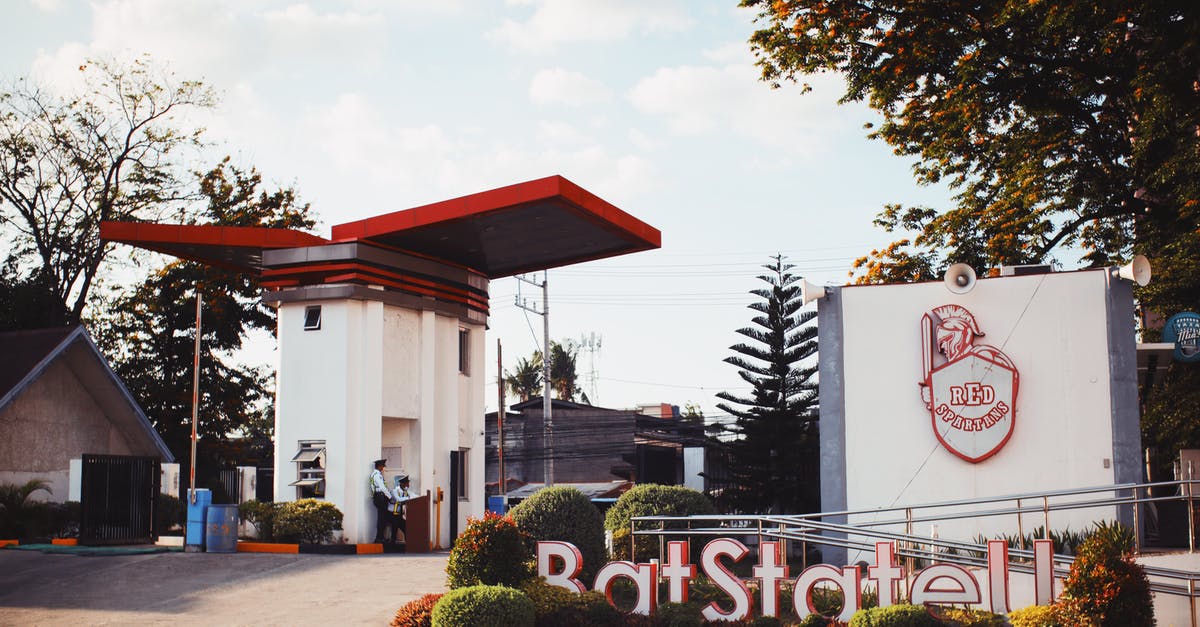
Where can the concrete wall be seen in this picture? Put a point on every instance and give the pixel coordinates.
(51, 422)
(378, 376)
(1054, 327)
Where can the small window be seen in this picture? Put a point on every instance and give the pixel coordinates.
(312, 318)
(310, 469)
(464, 344)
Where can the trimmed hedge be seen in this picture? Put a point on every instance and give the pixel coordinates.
(652, 500)
(556, 606)
(894, 616)
(307, 520)
(261, 514)
(484, 606)
(491, 551)
(565, 514)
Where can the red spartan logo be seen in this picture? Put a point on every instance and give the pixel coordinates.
(972, 394)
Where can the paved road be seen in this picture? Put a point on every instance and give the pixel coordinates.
(212, 589)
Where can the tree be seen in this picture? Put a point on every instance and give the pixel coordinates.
(66, 164)
(29, 302)
(1065, 128)
(772, 456)
(1059, 123)
(526, 380)
(149, 333)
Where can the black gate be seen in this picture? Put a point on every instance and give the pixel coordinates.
(118, 495)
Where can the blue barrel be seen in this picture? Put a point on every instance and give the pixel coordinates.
(495, 504)
(196, 513)
(220, 534)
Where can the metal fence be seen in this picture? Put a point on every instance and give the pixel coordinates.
(1137, 500)
(118, 496)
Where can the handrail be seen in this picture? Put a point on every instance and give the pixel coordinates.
(817, 529)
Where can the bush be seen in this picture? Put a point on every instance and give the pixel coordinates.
(418, 613)
(484, 606)
(816, 620)
(19, 514)
(491, 551)
(652, 500)
(168, 513)
(555, 606)
(968, 618)
(680, 614)
(894, 616)
(565, 514)
(1037, 616)
(311, 521)
(1106, 586)
(262, 516)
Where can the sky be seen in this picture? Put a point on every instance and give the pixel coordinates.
(373, 106)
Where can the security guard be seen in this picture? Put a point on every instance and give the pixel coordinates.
(381, 498)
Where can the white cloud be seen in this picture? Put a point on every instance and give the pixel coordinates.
(359, 160)
(556, 22)
(695, 100)
(48, 6)
(562, 87)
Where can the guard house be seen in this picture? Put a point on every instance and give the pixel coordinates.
(381, 331)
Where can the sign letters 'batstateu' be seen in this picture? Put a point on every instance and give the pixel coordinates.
(972, 395)
(940, 583)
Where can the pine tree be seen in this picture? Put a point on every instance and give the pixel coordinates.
(772, 446)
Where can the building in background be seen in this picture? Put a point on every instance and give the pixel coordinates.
(59, 401)
(596, 445)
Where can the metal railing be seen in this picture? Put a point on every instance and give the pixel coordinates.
(814, 529)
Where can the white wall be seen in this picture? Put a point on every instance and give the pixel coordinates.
(1054, 329)
(377, 376)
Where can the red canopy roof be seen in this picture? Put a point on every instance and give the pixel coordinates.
(535, 225)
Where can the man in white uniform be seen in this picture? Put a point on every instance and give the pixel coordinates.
(381, 497)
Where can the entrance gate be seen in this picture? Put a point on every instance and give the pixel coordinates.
(118, 495)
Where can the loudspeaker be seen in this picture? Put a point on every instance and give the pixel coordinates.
(810, 292)
(960, 278)
(1137, 270)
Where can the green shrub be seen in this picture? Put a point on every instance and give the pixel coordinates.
(960, 617)
(1038, 616)
(262, 516)
(418, 613)
(491, 551)
(653, 500)
(680, 614)
(484, 606)
(894, 616)
(19, 513)
(816, 620)
(168, 513)
(565, 514)
(555, 606)
(311, 521)
(1105, 585)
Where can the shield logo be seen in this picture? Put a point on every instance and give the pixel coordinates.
(972, 405)
(972, 396)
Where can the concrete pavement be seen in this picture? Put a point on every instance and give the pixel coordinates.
(212, 589)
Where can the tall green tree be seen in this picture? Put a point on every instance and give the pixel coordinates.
(1067, 128)
(68, 163)
(526, 380)
(149, 333)
(1065, 123)
(772, 454)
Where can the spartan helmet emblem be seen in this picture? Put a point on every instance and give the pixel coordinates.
(971, 394)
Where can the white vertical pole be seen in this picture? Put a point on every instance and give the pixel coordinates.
(195, 404)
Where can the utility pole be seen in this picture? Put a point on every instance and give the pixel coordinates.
(195, 404)
(547, 418)
(500, 425)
